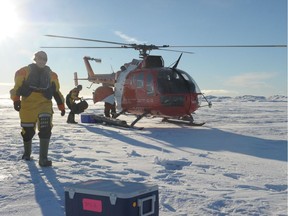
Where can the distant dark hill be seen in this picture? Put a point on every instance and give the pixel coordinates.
(248, 98)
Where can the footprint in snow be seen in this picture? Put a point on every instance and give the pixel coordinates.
(233, 175)
(133, 154)
(173, 164)
(278, 188)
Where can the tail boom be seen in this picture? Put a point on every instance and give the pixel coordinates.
(107, 79)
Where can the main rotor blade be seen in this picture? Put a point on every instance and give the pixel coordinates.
(85, 39)
(231, 46)
(82, 47)
(176, 51)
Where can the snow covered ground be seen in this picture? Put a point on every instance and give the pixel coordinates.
(236, 164)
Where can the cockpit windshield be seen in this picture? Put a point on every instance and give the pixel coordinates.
(175, 82)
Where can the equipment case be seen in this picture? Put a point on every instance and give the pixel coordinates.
(87, 118)
(111, 198)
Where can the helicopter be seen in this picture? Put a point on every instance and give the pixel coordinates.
(145, 87)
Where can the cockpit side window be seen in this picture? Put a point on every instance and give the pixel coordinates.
(176, 82)
(193, 85)
(140, 80)
(171, 82)
(149, 84)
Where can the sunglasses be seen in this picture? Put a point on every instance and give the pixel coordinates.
(42, 58)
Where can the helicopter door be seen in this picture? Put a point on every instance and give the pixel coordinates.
(140, 91)
(144, 89)
(129, 93)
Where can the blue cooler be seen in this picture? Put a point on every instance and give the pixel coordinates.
(111, 198)
(88, 118)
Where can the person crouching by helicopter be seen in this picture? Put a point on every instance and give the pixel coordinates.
(75, 108)
(35, 85)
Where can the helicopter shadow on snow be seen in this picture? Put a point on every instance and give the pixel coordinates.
(122, 137)
(213, 139)
(205, 138)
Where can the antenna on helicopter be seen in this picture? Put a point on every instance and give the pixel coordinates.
(176, 64)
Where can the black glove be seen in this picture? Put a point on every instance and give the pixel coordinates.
(17, 105)
(62, 112)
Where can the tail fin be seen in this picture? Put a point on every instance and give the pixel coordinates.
(88, 66)
(108, 79)
(91, 75)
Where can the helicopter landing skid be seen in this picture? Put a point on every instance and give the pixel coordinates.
(113, 122)
(179, 121)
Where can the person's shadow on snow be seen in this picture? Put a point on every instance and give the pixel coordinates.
(49, 192)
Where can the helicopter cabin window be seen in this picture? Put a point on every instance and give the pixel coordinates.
(134, 80)
(140, 80)
(149, 84)
(172, 82)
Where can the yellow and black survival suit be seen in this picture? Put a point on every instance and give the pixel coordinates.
(32, 96)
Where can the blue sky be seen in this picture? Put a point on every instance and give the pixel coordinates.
(218, 71)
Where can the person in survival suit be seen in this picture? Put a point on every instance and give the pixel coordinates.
(75, 108)
(35, 85)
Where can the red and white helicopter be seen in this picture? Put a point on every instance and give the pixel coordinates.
(146, 87)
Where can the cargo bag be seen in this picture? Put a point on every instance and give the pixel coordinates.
(80, 107)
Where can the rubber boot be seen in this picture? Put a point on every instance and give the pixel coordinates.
(27, 150)
(43, 154)
(71, 118)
